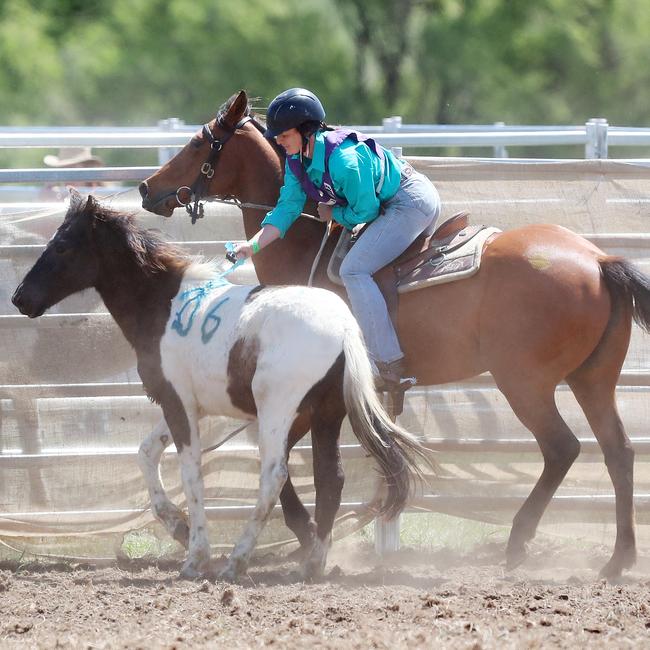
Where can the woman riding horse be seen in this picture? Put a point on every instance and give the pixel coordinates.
(355, 181)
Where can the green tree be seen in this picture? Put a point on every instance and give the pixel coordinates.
(446, 61)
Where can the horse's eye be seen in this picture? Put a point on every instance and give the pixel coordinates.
(59, 248)
(196, 141)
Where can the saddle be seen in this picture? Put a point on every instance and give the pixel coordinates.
(451, 253)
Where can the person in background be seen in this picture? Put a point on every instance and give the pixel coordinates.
(70, 157)
(354, 181)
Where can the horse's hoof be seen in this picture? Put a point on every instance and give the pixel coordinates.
(515, 557)
(613, 570)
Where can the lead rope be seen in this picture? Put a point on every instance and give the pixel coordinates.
(225, 440)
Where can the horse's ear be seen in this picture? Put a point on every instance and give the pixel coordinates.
(237, 108)
(76, 200)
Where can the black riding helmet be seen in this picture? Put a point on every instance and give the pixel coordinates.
(292, 108)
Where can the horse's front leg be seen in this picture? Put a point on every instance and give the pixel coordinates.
(274, 472)
(149, 454)
(182, 419)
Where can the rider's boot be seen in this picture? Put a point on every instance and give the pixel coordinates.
(392, 376)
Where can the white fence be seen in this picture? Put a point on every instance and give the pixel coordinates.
(72, 415)
(596, 135)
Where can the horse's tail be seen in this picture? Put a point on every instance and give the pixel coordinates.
(623, 278)
(395, 450)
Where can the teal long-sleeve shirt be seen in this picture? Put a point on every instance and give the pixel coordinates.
(355, 172)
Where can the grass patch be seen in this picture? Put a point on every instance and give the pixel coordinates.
(145, 544)
(432, 531)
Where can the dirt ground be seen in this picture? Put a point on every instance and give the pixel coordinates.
(413, 599)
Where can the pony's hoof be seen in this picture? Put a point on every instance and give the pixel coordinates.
(182, 534)
(312, 571)
(190, 573)
(227, 574)
(193, 570)
(313, 566)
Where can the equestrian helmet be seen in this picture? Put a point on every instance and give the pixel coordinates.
(292, 108)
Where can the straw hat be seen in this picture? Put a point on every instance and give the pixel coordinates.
(70, 156)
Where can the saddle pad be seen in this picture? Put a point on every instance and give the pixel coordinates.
(462, 262)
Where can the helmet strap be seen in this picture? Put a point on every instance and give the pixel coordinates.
(306, 141)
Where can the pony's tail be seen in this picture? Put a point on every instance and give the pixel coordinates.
(395, 450)
(623, 278)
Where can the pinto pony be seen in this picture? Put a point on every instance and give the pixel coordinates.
(205, 346)
(546, 306)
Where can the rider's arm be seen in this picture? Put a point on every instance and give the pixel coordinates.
(290, 204)
(277, 221)
(257, 242)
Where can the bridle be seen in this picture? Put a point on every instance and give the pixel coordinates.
(199, 188)
(198, 191)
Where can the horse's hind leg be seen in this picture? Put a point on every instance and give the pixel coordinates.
(594, 386)
(327, 418)
(535, 407)
(274, 422)
(599, 406)
(149, 454)
(296, 516)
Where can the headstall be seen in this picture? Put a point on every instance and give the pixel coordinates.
(198, 190)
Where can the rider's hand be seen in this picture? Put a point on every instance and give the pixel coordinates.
(243, 251)
(324, 212)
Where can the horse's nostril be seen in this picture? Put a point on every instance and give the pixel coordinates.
(144, 189)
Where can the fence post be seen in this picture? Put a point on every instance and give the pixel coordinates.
(500, 151)
(170, 124)
(391, 124)
(596, 146)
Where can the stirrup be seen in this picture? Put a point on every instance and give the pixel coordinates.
(391, 378)
(394, 386)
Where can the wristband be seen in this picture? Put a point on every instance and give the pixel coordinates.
(255, 247)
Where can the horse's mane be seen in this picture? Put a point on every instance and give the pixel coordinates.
(147, 247)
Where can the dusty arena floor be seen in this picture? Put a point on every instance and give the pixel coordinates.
(440, 600)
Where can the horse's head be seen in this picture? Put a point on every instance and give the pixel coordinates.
(68, 264)
(209, 165)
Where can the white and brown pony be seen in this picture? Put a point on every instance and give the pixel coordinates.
(205, 346)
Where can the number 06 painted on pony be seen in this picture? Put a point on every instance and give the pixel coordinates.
(205, 346)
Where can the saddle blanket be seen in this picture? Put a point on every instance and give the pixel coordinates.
(448, 260)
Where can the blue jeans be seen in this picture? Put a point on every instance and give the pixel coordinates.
(413, 210)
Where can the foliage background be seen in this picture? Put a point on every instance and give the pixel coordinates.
(133, 62)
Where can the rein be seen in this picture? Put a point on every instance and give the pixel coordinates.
(255, 206)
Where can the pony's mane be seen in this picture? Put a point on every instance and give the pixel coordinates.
(150, 251)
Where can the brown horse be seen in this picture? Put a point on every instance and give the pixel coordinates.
(546, 306)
